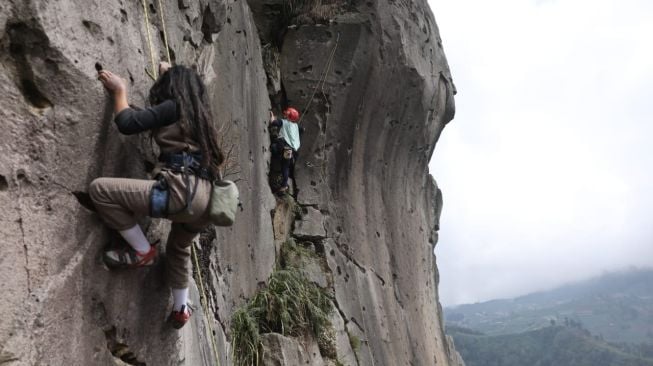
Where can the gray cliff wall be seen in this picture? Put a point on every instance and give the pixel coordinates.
(370, 135)
(63, 307)
(367, 198)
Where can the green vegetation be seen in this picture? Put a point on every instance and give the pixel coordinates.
(292, 253)
(246, 337)
(290, 305)
(354, 341)
(554, 345)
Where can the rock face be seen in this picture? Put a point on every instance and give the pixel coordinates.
(369, 205)
(371, 131)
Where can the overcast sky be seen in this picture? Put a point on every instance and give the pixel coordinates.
(547, 169)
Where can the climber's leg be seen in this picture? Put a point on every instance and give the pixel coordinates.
(291, 172)
(136, 238)
(285, 172)
(180, 297)
(119, 201)
(178, 263)
(178, 268)
(276, 165)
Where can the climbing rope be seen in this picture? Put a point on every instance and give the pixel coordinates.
(205, 303)
(153, 73)
(165, 36)
(320, 84)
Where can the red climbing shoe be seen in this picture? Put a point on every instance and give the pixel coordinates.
(128, 257)
(179, 318)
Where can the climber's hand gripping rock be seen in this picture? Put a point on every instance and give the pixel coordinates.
(116, 86)
(163, 67)
(113, 83)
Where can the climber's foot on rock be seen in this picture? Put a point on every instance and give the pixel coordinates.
(179, 318)
(128, 257)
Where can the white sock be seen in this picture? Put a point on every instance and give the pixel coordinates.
(181, 298)
(136, 239)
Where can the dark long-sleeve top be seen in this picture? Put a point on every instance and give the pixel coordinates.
(277, 122)
(161, 120)
(130, 121)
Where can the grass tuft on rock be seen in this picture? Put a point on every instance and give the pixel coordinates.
(289, 304)
(246, 337)
(354, 341)
(292, 253)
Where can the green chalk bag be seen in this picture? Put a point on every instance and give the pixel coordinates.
(224, 203)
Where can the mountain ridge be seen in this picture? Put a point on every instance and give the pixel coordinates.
(617, 306)
(554, 345)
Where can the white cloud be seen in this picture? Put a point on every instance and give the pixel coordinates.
(546, 168)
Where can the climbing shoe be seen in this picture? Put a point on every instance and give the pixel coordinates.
(281, 192)
(128, 257)
(180, 318)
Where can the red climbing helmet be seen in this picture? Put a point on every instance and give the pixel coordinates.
(291, 113)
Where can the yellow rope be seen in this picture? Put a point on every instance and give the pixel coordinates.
(165, 36)
(152, 74)
(204, 303)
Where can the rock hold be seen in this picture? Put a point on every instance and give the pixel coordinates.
(311, 225)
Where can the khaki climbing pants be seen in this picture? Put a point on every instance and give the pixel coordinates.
(121, 201)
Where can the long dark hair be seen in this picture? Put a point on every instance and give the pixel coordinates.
(184, 86)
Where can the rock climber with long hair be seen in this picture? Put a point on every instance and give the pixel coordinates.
(285, 146)
(182, 125)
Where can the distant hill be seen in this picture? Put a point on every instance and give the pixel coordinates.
(617, 307)
(550, 346)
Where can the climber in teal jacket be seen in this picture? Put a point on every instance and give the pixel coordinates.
(285, 147)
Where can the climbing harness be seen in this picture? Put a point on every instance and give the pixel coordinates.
(205, 304)
(154, 74)
(183, 163)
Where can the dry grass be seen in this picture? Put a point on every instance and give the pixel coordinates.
(228, 141)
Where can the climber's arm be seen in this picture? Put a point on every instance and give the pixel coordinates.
(131, 121)
(274, 121)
